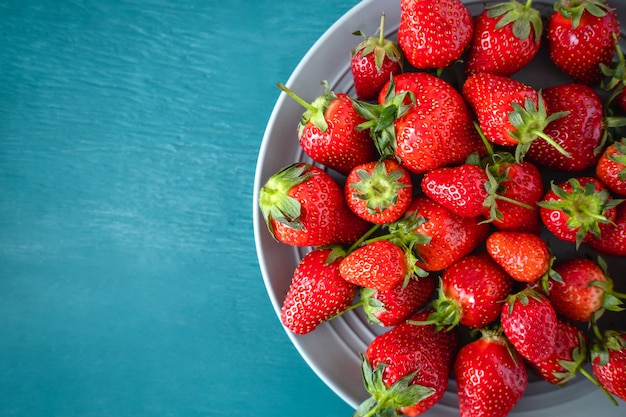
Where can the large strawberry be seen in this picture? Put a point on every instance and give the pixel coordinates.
(612, 241)
(317, 292)
(578, 209)
(379, 191)
(530, 323)
(491, 377)
(507, 36)
(434, 33)
(406, 369)
(303, 206)
(328, 132)
(608, 363)
(373, 61)
(580, 132)
(580, 38)
(380, 265)
(611, 167)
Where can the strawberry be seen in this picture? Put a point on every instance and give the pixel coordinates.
(608, 363)
(612, 241)
(509, 112)
(585, 290)
(373, 61)
(529, 322)
(392, 307)
(578, 209)
(303, 206)
(450, 237)
(580, 132)
(316, 293)
(491, 377)
(525, 256)
(580, 38)
(425, 23)
(379, 192)
(611, 167)
(380, 265)
(328, 132)
(507, 36)
(406, 369)
(568, 357)
(471, 293)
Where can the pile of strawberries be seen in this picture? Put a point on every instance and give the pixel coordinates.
(429, 205)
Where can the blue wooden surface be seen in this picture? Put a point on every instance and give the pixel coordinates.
(129, 284)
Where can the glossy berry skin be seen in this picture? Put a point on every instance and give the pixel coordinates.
(579, 49)
(525, 256)
(316, 293)
(530, 324)
(611, 374)
(611, 168)
(579, 132)
(380, 265)
(612, 241)
(491, 379)
(424, 23)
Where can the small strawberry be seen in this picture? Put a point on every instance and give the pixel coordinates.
(394, 306)
(612, 241)
(585, 290)
(303, 206)
(379, 192)
(406, 369)
(529, 322)
(608, 363)
(316, 293)
(525, 256)
(507, 36)
(380, 265)
(611, 167)
(509, 112)
(373, 61)
(425, 23)
(471, 293)
(578, 209)
(491, 377)
(580, 38)
(328, 132)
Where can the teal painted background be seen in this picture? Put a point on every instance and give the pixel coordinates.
(129, 132)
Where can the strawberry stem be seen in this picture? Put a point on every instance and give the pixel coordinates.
(296, 98)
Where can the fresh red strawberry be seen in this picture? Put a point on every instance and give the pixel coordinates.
(328, 131)
(426, 23)
(450, 237)
(509, 112)
(303, 206)
(578, 209)
(316, 293)
(612, 241)
(491, 377)
(507, 36)
(580, 38)
(611, 167)
(529, 322)
(380, 265)
(580, 132)
(608, 363)
(423, 121)
(471, 293)
(460, 189)
(568, 357)
(392, 307)
(585, 290)
(373, 61)
(525, 256)
(380, 191)
(406, 369)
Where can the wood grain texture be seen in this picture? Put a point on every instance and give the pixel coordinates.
(129, 133)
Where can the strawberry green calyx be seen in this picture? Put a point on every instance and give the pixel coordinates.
(379, 188)
(523, 17)
(446, 314)
(616, 73)
(574, 9)
(385, 401)
(379, 46)
(620, 157)
(314, 111)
